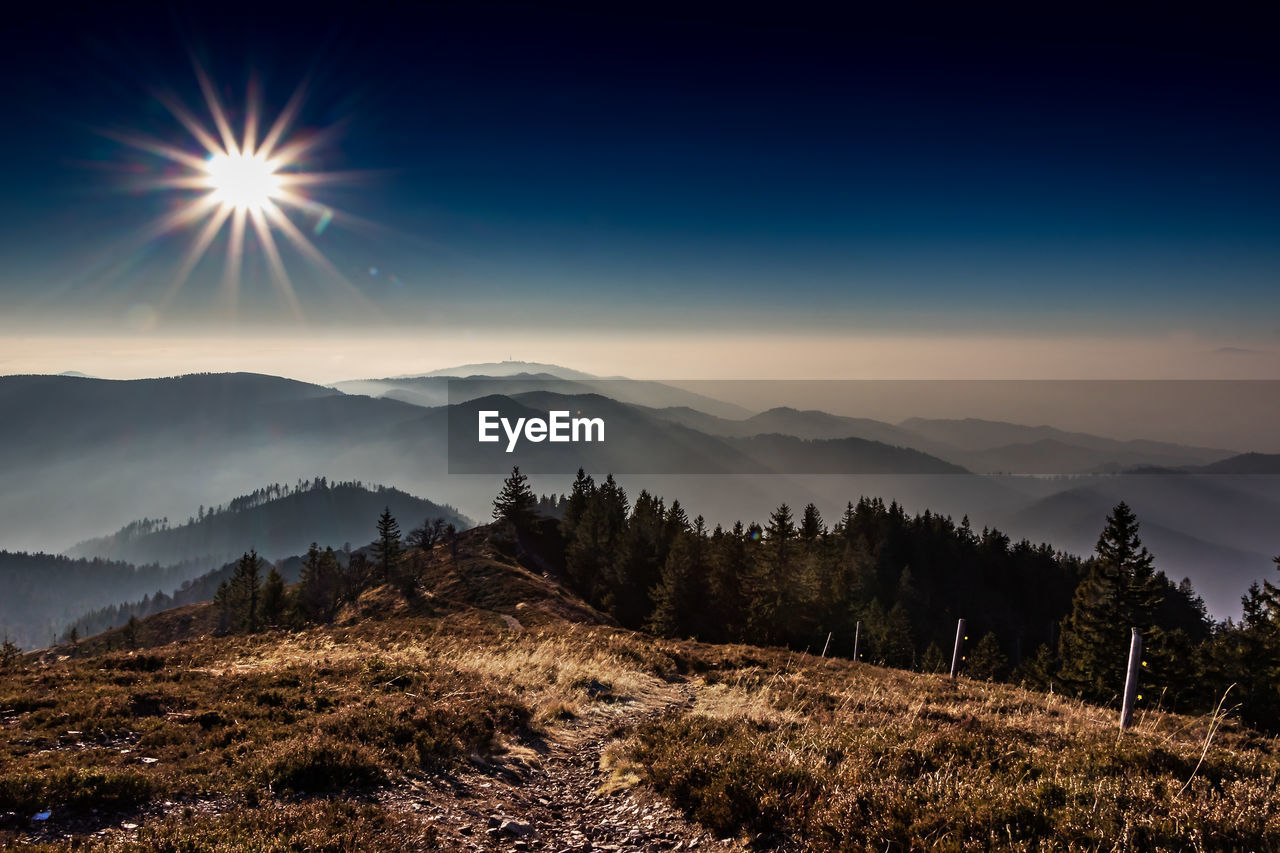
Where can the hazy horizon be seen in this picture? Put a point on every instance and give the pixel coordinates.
(326, 356)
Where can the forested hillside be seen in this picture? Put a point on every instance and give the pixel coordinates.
(276, 520)
(1034, 615)
(43, 593)
(193, 591)
(151, 564)
(442, 686)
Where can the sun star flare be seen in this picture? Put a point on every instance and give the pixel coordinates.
(246, 184)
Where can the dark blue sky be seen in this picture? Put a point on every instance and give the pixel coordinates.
(924, 171)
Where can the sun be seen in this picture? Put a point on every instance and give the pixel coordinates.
(247, 182)
(243, 181)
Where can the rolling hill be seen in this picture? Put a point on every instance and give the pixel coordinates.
(277, 521)
(46, 592)
(92, 455)
(502, 707)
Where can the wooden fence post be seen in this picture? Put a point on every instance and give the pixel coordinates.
(857, 635)
(1131, 679)
(955, 654)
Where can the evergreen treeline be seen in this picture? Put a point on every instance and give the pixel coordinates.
(43, 593)
(797, 578)
(251, 596)
(195, 591)
(1035, 615)
(277, 519)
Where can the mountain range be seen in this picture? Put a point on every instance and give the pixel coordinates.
(92, 455)
(45, 592)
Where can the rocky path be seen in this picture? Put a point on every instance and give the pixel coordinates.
(560, 801)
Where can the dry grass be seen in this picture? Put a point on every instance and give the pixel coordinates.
(859, 758)
(252, 724)
(281, 742)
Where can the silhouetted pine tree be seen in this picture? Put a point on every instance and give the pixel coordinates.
(1119, 593)
(576, 505)
(592, 550)
(811, 526)
(776, 591)
(273, 598)
(131, 632)
(987, 662)
(727, 570)
(243, 593)
(896, 642)
(1040, 671)
(516, 502)
(641, 555)
(387, 546)
(320, 585)
(678, 598)
(357, 576)
(1248, 656)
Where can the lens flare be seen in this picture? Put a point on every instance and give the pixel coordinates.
(247, 184)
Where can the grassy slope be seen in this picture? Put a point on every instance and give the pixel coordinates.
(294, 740)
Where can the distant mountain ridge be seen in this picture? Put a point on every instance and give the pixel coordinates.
(986, 445)
(1244, 463)
(45, 592)
(88, 455)
(277, 521)
(443, 388)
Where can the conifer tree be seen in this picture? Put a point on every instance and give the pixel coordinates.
(131, 630)
(1252, 655)
(222, 601)
(811, 524)
(776, 591)
(677, 603)
(987, 661)
(320, 584)
(387, 547)
(243, 593)
(273, 598)
(727, 573)
(357, 576)
(638, 564)
(11, 655)
(516, 502)
(1041, 671)
(592, 551)
(576, 505)
(1121, 592)
(451, 540)
(896, 642)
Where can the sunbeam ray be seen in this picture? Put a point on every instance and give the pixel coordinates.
(282, 122)
(235, 261)
(279, 276)
(215, 109)
(253, 101)
(196, 252)
(309, 251)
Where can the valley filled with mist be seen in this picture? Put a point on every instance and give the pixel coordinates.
(137, 487)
